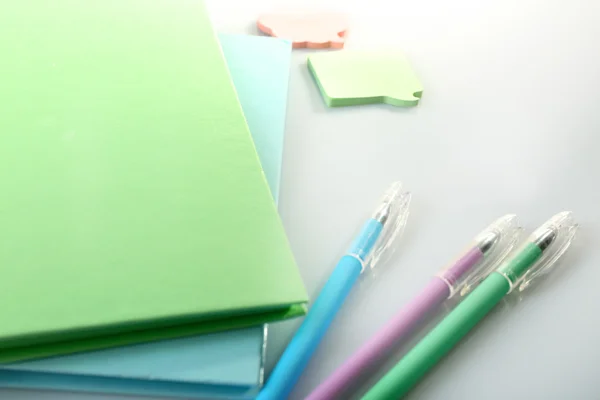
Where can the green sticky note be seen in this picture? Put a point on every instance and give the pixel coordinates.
(134, 207)
(347, 78)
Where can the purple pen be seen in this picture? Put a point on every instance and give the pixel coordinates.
(485, 253)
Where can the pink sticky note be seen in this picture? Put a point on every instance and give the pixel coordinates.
(319, 31)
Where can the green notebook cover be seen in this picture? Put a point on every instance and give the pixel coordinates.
(133, 205)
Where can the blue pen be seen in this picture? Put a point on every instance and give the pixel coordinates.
(375, 238)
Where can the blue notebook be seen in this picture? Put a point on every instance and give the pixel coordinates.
(221, 365)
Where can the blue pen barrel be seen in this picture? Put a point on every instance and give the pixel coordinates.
(315, 324)
(304, 343)
(364, 243)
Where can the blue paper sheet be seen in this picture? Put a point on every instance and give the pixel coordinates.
(227, 364)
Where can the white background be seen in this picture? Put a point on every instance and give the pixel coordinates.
(509, 122)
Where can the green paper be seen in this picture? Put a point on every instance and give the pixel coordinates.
(134, 207)
(347, 78)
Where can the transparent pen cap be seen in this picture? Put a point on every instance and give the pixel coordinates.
(554, 238)
(485, 253)
(393, 214)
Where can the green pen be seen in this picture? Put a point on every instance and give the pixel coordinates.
(541, 251)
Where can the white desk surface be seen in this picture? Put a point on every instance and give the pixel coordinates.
(509, 122)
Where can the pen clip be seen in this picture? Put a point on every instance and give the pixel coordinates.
(502, 235)
(564, 226)
(395, 202)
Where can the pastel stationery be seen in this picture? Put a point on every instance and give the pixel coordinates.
(188, 368)
(354, 77)
(540, 252)
(317, 31)
(260, 68)
(488, 249)
(374, 240)
(134, 201)
(207, 365)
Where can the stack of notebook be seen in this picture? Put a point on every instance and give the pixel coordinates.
(139, 229)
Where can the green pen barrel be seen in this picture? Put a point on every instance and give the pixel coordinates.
(400, 379)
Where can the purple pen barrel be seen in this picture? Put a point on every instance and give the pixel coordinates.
(398, 329)
(456, 273)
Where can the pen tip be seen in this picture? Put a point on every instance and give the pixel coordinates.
(546, 238)
(383, 213)
(488, 242)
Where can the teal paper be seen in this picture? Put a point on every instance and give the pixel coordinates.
(264, 97)
(227, 364)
